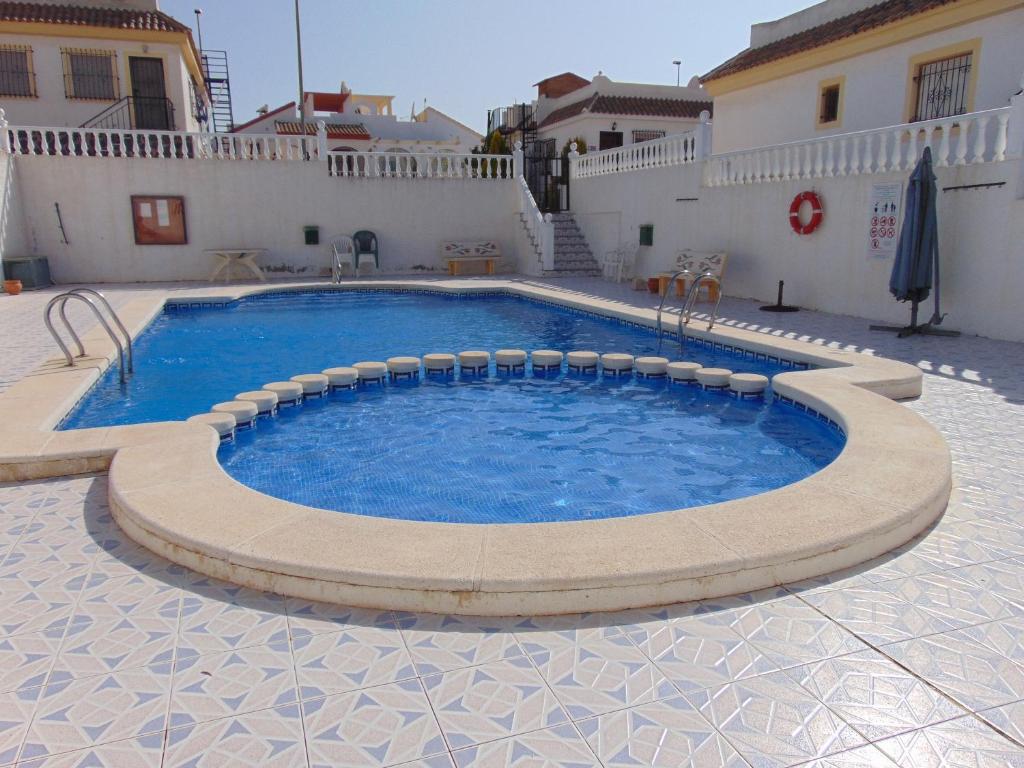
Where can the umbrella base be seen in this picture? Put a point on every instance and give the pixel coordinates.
(927, 329)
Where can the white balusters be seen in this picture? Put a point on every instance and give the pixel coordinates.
(897, 149)
(943, 159)
(1002, 125)
(961, 145)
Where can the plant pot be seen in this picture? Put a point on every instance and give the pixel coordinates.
(12, 287)
(652, 284)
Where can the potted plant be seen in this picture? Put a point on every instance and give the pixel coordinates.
(12, 287)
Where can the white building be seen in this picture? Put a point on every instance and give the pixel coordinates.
(362, 122)
(99, 63)
(609, 114)
(850, 65)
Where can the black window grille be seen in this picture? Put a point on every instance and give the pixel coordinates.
(90, 75)
(16, 75)
(942, 87)
(642, 134)
(829, 104)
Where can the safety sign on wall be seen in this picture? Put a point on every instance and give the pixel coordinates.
(883, 219)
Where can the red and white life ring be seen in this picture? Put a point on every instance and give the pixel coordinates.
(817, 213)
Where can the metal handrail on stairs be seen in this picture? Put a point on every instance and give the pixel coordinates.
(83, 294)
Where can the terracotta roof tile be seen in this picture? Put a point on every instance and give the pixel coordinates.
(334, 130)
(640, 106)
(846, 26)
(85, 16)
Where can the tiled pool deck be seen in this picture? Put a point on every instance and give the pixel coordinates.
(111, 656)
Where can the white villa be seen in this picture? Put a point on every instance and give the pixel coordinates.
(604, 112)
(365, 122)
(851, 65)
(116, 64)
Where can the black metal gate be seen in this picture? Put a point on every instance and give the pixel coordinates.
(547, 174)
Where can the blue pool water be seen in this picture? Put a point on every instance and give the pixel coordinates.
(188, 360)
(526, 449)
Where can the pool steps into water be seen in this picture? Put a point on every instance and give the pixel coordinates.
(247, 407)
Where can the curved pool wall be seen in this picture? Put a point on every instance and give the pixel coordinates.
(191, 357)
(167, 491)
(526, 449)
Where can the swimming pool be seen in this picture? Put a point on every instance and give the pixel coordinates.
(189, 359)
(526, 449)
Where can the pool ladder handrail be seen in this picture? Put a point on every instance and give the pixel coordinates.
(691, 298)
(84, 295)
(664, 297)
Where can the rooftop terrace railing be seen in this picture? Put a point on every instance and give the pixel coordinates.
(418, 165)
(678, 149)
(977, 137)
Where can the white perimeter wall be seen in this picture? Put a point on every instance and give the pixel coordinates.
(247, 204)
(12, 229)
(981, 240)
(875, 95)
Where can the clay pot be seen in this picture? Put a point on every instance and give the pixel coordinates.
(12, 287)
(652, 284)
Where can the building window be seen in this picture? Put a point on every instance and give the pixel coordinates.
(830, 102)
(829, 105)
(16, 75)
(90, 74)
(942, 87)
(646, 135)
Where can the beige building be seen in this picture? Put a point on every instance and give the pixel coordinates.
(99, 63)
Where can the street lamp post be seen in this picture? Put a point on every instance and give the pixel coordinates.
(199, 29)
(677, 62)
(302, 110)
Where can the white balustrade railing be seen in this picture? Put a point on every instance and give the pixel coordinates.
(419, 165)
(540, 226)
(678, 149)
(977, 137)
(180, 145)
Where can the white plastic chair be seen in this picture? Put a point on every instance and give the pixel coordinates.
(343, 250)
(619, 262)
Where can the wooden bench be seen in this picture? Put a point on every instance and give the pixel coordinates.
(456, 253)
(698, 263)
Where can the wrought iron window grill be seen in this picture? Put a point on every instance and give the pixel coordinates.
(942, 87)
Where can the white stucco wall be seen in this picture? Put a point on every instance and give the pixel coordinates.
(52, 108)
(981, 240)
(12, 222)
(255, 204)
(876, 85)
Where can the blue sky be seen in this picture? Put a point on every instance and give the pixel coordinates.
(464, 56)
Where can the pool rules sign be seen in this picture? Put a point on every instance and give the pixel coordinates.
(883, 219)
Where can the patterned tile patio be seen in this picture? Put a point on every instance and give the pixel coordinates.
(110, 656)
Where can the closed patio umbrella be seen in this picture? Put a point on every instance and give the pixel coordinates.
(917, 253)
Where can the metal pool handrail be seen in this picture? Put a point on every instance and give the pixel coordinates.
(661, 306)
(113, 316)
(62, 299)
(691, 297)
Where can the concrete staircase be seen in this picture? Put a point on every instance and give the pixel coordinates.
(572, 253)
